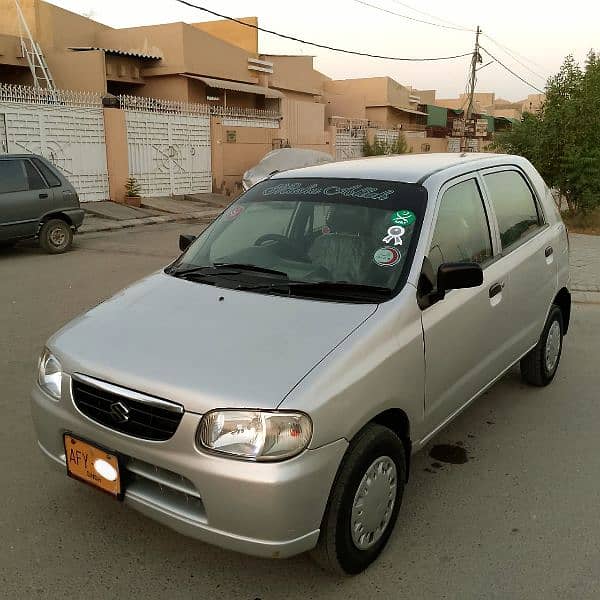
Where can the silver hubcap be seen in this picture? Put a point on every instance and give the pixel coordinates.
(58, 236)
(373, 503)
(552, 347)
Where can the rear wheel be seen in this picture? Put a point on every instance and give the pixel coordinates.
(364, 502)
(539, 366)
(56, 236)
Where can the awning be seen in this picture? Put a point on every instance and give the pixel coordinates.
(117, 52)
(437, 116)
(248, 88)
(401, 108)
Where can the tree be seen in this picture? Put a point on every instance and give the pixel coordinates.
(563, 139)
(382, 147)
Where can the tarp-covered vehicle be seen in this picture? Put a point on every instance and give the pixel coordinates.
(283, 159)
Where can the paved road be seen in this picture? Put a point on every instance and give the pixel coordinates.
(518, 520)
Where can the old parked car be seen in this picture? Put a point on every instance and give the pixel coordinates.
(37, 202)
(265, 392)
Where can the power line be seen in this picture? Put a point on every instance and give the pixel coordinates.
(511, 71)
(422, 12)
(507, 49)
(391, 12)
(514, 55)
(317, 45)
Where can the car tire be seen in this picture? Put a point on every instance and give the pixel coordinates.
(539, 366)
(374, 462)
(56, 236)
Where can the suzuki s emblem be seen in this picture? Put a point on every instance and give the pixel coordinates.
(119, 412)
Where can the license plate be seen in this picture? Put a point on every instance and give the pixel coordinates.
(92, 465)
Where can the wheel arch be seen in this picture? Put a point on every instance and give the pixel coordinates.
(397, 421)
(55, 215)
(563, 301)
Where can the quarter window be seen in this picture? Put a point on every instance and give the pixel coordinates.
(462, 233)
(514, 205)
(12, 176)
(50, 177)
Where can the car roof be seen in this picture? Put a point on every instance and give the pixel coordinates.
(20, 156)
(407, 168)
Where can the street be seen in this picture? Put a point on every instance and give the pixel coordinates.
(518, 519)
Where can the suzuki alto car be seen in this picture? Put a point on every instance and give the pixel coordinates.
(266, 390)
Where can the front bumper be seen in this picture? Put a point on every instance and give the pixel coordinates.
(264, 509)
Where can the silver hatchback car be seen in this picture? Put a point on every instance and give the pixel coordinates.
(266, 390)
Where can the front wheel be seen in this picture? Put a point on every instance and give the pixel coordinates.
(539, 366)
(364, 502)
(56, 236)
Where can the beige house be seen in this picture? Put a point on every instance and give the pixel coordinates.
(379, 100)
(486, 103)
(210, 63)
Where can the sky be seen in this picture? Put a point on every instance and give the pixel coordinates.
(538, 34)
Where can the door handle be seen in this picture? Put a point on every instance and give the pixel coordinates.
(496, 289)
(43, 195)
(548, 251)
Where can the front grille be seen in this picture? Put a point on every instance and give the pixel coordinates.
(154, 419)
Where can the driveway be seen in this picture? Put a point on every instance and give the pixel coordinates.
(518, 519)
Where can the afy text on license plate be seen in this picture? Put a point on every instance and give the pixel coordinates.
(92, 465)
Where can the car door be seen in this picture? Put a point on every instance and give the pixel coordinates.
(527, 251)
(25, 198)
(463, 333)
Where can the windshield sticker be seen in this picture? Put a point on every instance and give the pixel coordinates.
(387, 257)
(325, 230)
(403, 217)
(394, 234)
(234, 213)
(315, 189)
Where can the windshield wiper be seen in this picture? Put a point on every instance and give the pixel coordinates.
(253, 268)
(221, 269)
(337, 289)
(341, 288)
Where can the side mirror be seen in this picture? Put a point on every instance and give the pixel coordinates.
(185, 241)
(455, 276)
(450, 276)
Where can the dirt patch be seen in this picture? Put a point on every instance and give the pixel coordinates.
(588, 224)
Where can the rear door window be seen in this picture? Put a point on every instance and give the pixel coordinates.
(34, 179)
(12, 176)
(515, 207)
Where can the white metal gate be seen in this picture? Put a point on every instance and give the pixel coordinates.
(65, 127)
(349, 143)
(3, 139)
(169, 152)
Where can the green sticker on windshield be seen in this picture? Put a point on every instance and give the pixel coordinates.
(403, 217)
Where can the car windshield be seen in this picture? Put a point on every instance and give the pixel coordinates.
(335, 239)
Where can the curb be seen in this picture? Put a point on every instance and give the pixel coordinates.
(206, 215)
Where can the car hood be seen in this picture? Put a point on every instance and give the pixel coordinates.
(202, 346)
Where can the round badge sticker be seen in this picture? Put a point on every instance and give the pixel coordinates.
(387, 257)
(234, 212)
(325, 230)
(403, 217)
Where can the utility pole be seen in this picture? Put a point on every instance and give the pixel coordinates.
(473, 78)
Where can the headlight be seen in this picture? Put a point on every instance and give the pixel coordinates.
(50, 374)
(255, 435)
